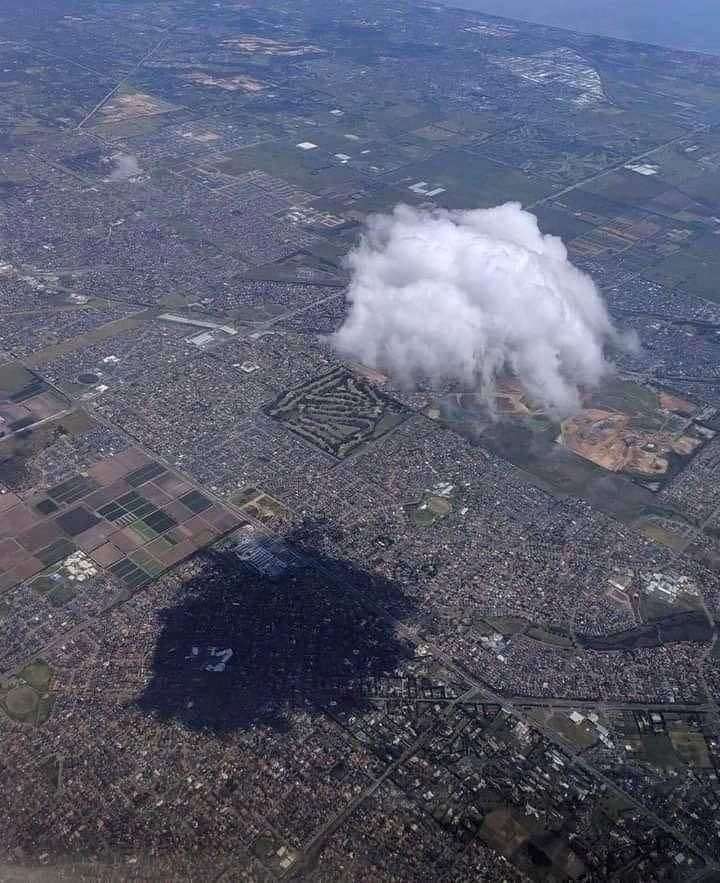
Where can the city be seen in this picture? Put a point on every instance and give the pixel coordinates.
(268, 613)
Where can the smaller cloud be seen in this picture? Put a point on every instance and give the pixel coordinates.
(126, 166)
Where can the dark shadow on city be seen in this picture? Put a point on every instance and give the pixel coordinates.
(242, 649)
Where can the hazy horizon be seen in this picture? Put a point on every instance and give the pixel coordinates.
(687, 24)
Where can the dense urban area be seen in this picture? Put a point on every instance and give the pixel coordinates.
(268, 614)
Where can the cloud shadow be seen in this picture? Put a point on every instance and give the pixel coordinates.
(242, 648)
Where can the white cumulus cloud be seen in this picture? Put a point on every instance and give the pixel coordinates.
(125, 166)
(464, 297)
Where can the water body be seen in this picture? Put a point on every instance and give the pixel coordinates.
(684, 24)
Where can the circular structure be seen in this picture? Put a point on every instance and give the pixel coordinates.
(88, 378)
(21, 703)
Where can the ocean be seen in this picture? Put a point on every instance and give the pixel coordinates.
(684, 24)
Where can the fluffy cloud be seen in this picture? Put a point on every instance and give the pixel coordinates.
(125, 166)
(465, 296)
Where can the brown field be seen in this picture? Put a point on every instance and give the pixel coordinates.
(132, 105)
(128, 513)
(607, 438)
(240, 83)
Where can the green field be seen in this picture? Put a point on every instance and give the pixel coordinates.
(37, 675)
(581, 735)
(560, 223)
(555, 638)
(21, 703)
(696, 269)
(626, 187)
(309, 170)
(470, 181)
